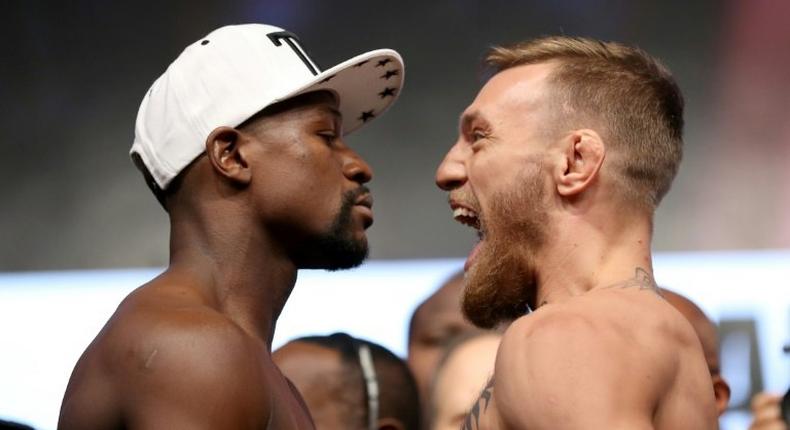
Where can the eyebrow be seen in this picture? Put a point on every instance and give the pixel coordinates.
(335, 114)
(467, 118)
(332, 111)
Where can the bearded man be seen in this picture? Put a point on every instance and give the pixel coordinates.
(560, 163)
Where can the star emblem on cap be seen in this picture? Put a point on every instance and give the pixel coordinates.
(384, 62)
(366, 116)
(389, 74)
(361, 64)
(328, 78)
(388, 92)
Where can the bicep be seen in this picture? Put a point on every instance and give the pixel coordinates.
(195, 404)
(90, 401)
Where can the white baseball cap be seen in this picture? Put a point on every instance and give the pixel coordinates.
(233, 73)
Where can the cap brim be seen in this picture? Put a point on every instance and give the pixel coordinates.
(366, 86)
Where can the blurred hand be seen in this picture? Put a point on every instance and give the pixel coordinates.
(766, 413)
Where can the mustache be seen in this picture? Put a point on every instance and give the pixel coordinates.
(465, 197)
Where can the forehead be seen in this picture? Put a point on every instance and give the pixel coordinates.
(302, 107)
(302, 361)
(447, 297)
(441, 308)
(521, 88)
(313, 98)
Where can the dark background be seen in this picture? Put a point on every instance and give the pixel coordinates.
(72, 75)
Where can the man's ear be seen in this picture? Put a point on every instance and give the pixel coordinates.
(224, 149)
(722, 391)
(390, 424)
(582, 153)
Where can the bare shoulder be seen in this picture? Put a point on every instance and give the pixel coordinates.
(151, 335)
(579, 364)
(167, 357)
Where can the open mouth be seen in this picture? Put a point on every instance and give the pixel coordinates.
(469, 217)
(466, 216)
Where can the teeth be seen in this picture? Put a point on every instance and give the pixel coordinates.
(463, 212)
(467, 217)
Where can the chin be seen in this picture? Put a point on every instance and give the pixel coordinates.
(343, 245)
(497, 287)
(335, 253)
(502, 282)
(348, 260)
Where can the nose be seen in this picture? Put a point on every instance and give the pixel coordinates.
(451, 173)
(355, 168)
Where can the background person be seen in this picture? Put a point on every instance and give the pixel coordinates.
(767, 412)
(342, 391)
(709, 338)
(461, 375)
(434, 323)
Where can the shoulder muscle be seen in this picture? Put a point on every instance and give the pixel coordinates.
(191, 368)
(562, 369)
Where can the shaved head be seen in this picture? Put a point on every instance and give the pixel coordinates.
(330, 386)
(328, 373)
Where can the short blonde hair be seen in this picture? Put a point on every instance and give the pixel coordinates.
(621, 88)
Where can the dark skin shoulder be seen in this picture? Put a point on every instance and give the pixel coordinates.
(167, 359)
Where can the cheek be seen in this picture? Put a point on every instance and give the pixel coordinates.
(488, 174)
(300, 190)
(500, 171)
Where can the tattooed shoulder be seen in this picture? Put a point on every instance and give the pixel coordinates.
(472, 421)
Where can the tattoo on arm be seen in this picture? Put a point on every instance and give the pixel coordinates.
(474, 414)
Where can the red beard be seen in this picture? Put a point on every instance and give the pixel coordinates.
(501, 283)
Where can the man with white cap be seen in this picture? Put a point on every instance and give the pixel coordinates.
(241, 141)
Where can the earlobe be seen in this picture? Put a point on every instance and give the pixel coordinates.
(224, 147)
(583, 153)
(722, 392)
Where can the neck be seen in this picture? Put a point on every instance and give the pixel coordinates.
(238, 269)
(585, 255)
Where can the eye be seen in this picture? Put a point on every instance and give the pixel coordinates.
(477, 136)
(329, 136)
